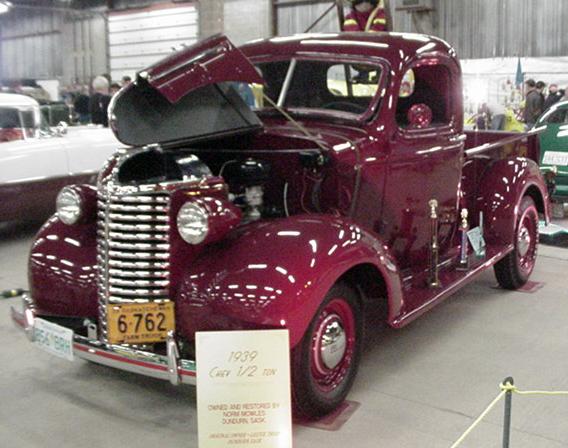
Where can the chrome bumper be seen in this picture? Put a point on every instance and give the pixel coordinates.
(169, 367)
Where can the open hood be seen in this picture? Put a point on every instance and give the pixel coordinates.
(189, 95)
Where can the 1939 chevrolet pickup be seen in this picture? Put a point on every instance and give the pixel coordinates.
(350, 187)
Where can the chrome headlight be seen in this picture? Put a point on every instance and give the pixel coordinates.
(193, 223)
(68, 206)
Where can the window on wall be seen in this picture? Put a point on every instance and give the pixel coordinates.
(432, 84)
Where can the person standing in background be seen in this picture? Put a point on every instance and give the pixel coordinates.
(100, 100)
(81, 105)
(554, 95)
(366, 15)
(533, 104)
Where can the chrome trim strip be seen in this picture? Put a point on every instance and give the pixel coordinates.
(138, 246)
(140, 255)
(162, 265)
(143, 217)
(137, 283)
(140, 292)
(136, 208)
(135, 274)
(138, 227)
(143, 200)
(136, 236)
(169, 368)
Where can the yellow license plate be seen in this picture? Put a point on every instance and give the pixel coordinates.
(137, 323)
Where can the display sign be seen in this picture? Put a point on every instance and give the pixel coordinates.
(243, 389)
(53, 338)
(475, 237)
(555, 158)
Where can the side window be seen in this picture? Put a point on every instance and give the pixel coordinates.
(428, 104)
(559, 116)
(346, 80)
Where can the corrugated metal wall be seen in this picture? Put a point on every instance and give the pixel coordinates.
(45, 44)
(246, 20)
(495, 28)
(476, 28)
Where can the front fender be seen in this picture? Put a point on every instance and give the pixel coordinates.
(501, 189)
(275, 275)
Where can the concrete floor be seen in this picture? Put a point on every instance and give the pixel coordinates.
(421, 386)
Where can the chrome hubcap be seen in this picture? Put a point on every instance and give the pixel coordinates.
(333, 343)
(524, 241)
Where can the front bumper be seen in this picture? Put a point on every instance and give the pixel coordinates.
(170, 367)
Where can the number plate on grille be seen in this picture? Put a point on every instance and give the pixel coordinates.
(138, 323)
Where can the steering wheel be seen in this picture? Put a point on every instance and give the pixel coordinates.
(345, 106)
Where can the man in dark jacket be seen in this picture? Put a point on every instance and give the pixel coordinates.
(533, 104)
(554, 95)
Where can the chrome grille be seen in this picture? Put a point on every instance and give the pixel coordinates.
(133, 249)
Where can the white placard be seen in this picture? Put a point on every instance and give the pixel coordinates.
(243, 389)
(555, 158)
(475, 237)
(53, 338)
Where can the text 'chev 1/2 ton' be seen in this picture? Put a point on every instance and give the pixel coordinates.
(348, 188)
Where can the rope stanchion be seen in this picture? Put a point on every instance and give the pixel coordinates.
(507, 390)
(479, 419)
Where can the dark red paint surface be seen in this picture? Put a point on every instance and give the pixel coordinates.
(373, 219)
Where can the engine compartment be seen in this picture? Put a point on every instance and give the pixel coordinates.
(278, 179)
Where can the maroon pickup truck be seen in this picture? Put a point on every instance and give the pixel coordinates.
(348, 188)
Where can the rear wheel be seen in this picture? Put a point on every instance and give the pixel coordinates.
(324, 363)
(514, 270)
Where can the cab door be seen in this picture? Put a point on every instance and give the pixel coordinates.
(424, 163)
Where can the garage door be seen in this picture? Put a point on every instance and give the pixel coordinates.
(140, 37)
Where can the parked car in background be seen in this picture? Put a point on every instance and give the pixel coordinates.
(19, 117)
(36, 161)
(554, 146)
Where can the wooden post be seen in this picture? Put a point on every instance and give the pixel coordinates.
(389, 15)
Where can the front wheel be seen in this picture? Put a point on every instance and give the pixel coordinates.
(324, 363)
(514, 270)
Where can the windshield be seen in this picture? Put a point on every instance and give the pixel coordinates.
(17, 124)
(318, 86)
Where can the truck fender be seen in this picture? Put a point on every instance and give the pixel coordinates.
(501, 189)
(276, 274)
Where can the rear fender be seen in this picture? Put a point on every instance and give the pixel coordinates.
(501, 189)
(275, 275)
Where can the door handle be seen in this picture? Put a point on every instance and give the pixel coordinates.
(458, 138)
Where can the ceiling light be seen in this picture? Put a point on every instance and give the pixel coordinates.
(5, 7)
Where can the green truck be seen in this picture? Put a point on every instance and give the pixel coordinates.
(554, 147)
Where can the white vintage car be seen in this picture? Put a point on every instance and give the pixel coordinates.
(37, 161)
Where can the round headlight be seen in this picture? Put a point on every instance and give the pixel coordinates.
(192, 223)
(68, 206)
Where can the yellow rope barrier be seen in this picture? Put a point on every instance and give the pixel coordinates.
(508, 387)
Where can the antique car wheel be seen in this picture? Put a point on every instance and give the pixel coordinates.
(514, 270)
(324, 363)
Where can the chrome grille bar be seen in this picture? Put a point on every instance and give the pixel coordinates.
(133, 248)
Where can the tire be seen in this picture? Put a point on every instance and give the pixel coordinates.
(514, 270)
(322, 379)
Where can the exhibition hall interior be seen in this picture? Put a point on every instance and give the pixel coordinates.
(284, 223)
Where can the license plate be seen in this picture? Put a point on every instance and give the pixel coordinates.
(137, 323)
(555, 158)
(53, 338)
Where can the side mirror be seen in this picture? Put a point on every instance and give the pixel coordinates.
(61, 129)
(419, 116)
